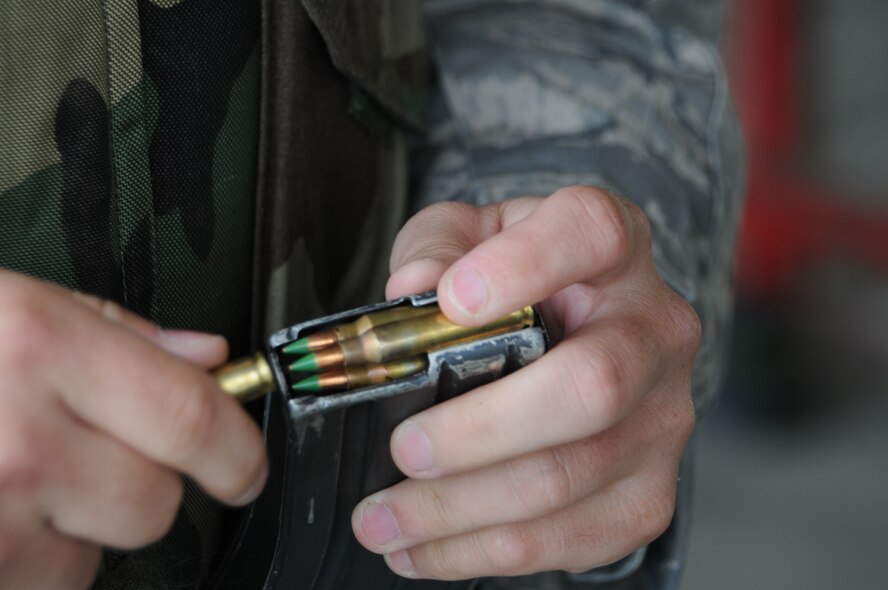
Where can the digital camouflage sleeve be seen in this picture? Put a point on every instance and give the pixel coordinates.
(630, 95)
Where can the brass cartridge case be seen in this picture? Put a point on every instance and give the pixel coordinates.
(369, 321)
(365, 323)
(246, 379)
(413, 337)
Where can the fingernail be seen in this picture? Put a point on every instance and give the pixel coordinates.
(400, 563)
(468, 291)
(254, 490)
(413, 447)
(183, 341)
(415, 277)
(378, 524)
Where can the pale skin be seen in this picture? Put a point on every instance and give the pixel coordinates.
(571, 462)
(567, 464)
(100, 411)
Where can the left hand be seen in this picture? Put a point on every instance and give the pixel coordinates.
(571, 462)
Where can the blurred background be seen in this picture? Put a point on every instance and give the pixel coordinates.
(792, 473)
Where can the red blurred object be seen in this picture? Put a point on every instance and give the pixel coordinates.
(788, 223)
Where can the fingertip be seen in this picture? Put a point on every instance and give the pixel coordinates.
(204, 350)
(400, 563)
(375, 526)
(417, 276)
(255, 488)
(412, 450)
(357, 529)
(244, 470)
(463, 296)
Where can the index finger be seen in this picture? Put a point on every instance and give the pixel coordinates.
(578, 234)
(159, 405)
(582, 387)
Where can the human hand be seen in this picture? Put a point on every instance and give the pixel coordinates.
(571, 462)
(100, 411)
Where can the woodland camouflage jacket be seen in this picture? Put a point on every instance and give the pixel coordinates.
(239, 165)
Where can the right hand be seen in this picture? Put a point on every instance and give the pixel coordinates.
(100, 413)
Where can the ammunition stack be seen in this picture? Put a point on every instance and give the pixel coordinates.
(384, 346)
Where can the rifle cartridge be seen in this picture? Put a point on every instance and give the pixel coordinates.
(408, 338)
(361, 375)
(365, 323)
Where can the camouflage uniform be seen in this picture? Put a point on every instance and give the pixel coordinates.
(235, 166)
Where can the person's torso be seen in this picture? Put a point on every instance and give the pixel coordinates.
(219, 165)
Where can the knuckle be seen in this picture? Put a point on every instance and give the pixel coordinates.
(656, 526)
(511, 550)
(12, 286)
(686, 326)
(685, 421)
(422, 235)
(596, 381)
(110, 310)
(152, 509)
(653, 514)
(540, 482)
(437, 560)
(560, 479)
(669, 422)
(21, 467)
(193, 418)
(600, 218)
(641, 224)
(444, 250)
(27, 326)
(164, 509)
(583, 551)
(435, 508)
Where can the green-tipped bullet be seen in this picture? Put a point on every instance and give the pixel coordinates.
(301, 346)
(309, 384)
(305, 364)
(361, 376)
